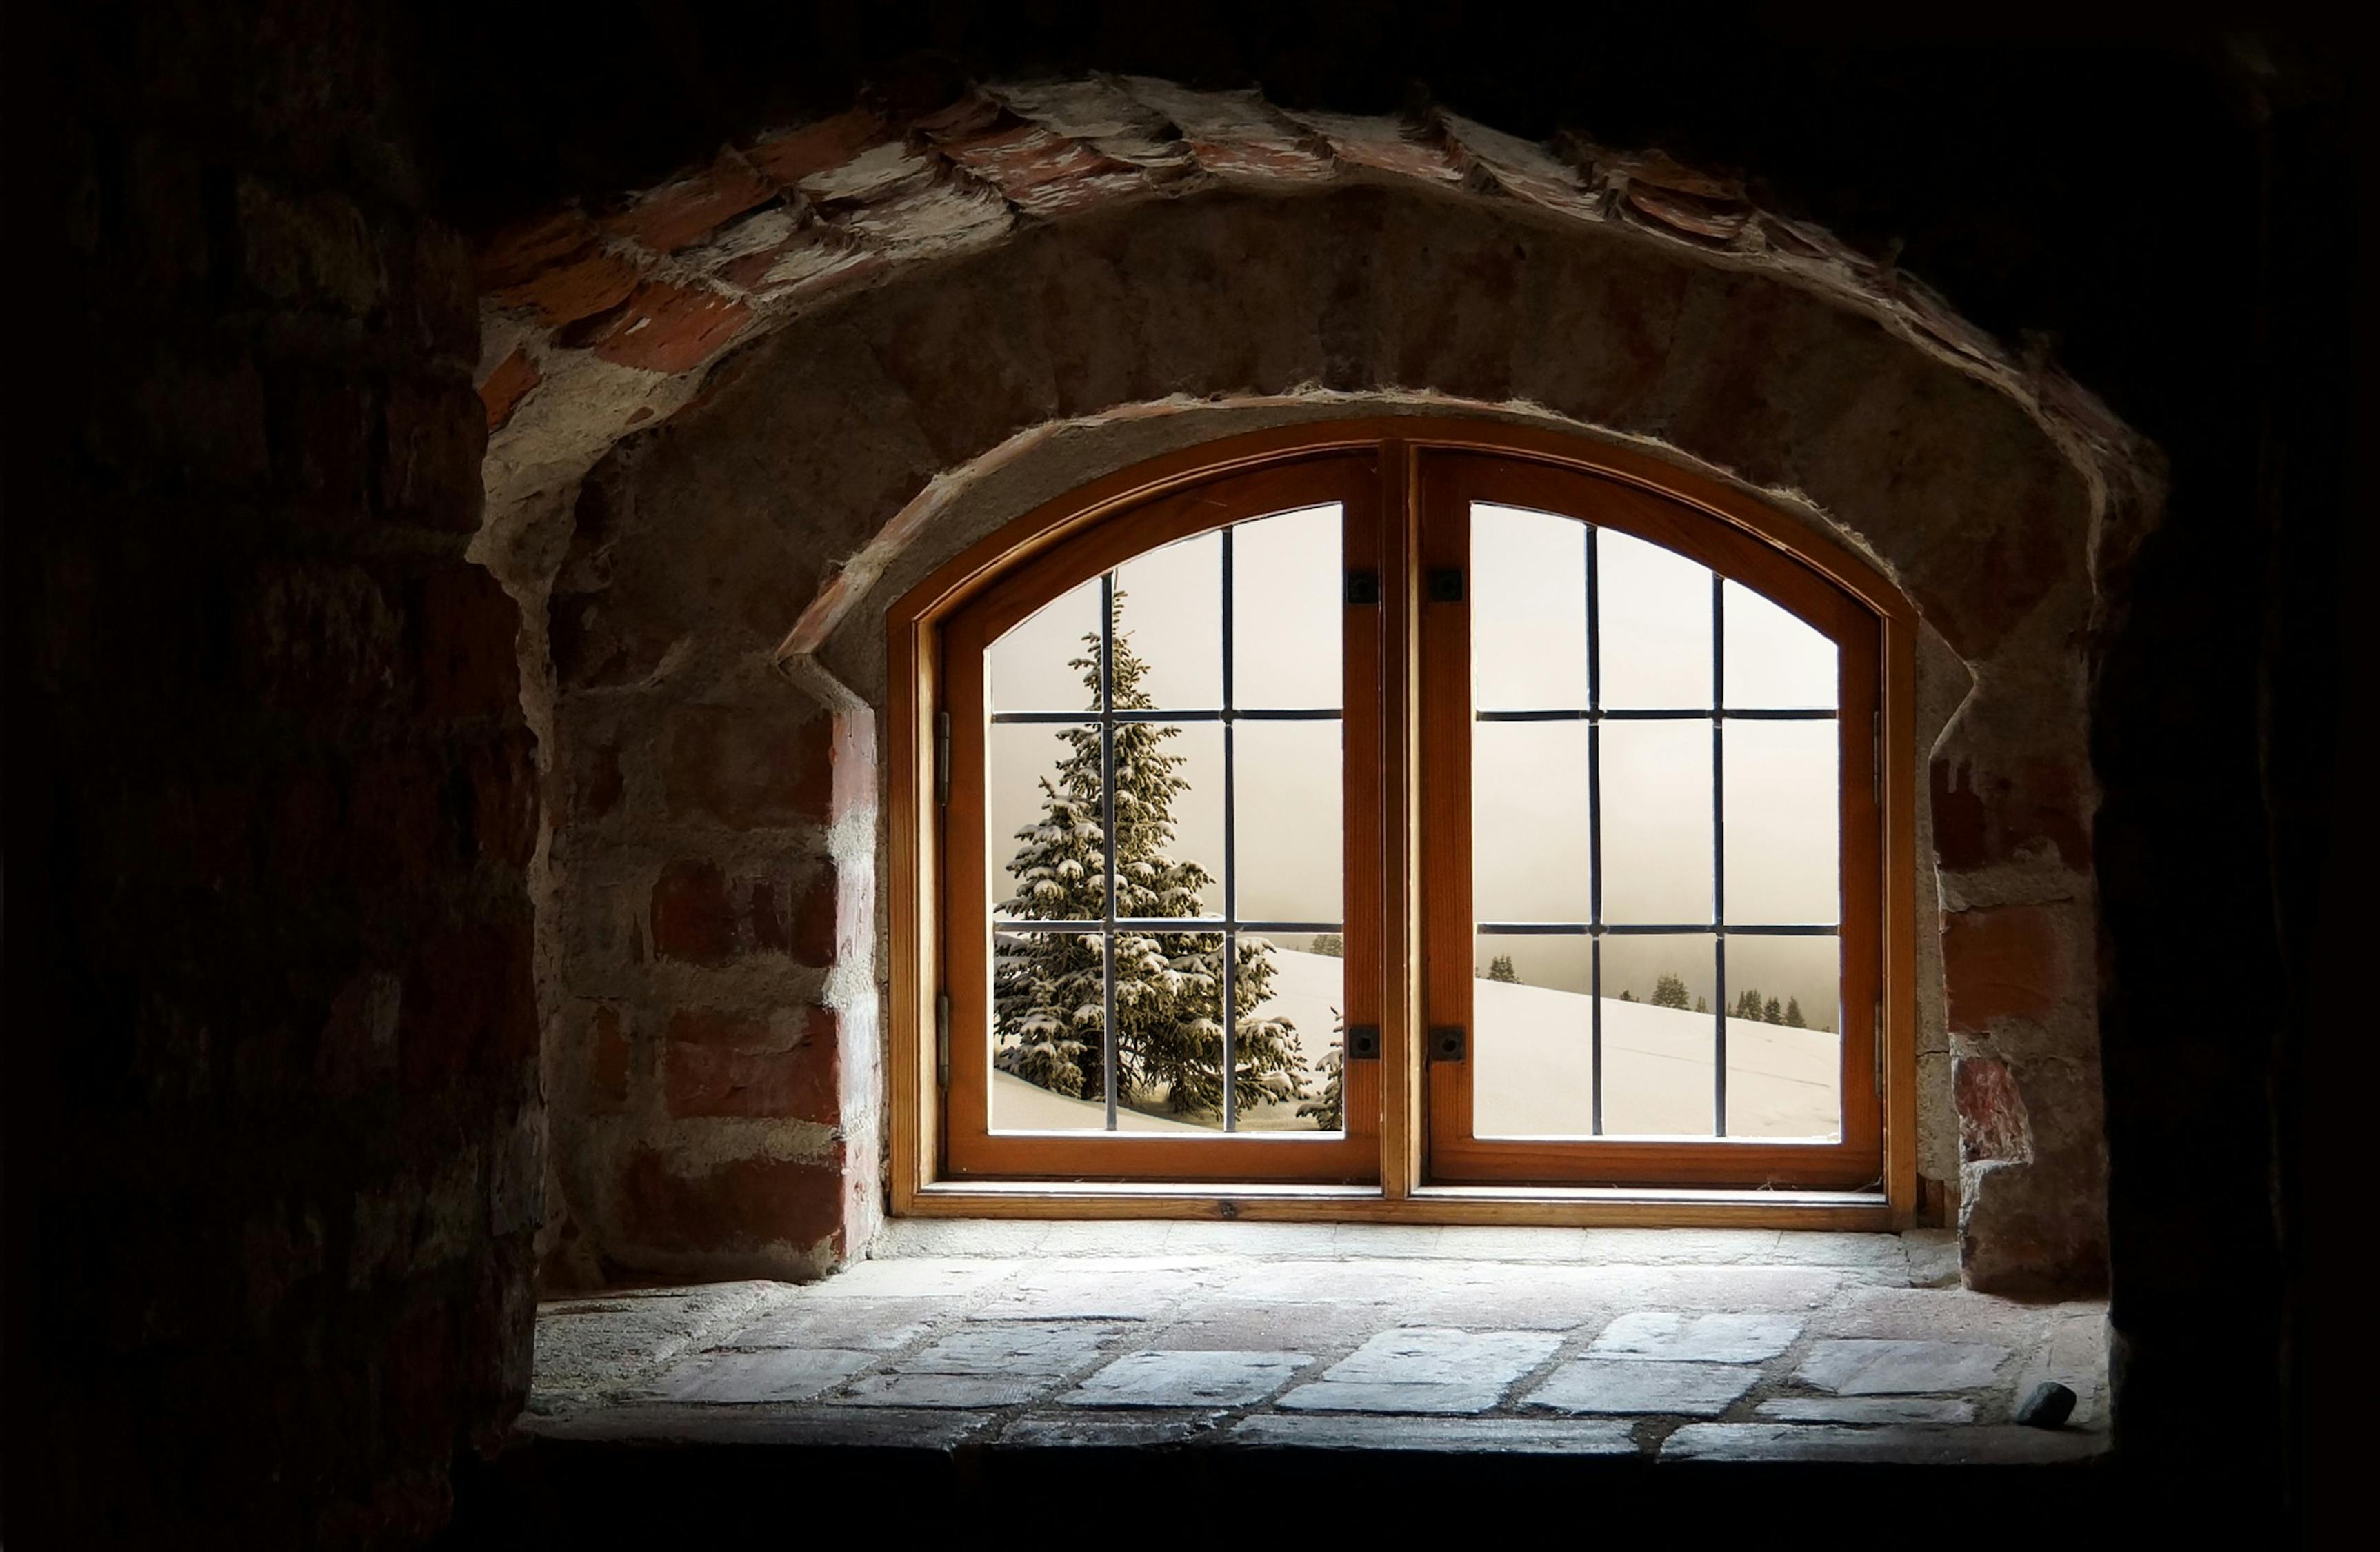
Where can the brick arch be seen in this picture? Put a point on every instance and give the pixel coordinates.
(1040, 286)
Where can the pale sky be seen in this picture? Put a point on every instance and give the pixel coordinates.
(1529, 779)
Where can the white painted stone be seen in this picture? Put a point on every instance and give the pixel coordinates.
(774, 1375)
(2005, 1445)
(1674, 1335)
(1337, 1394)
(1489, 1436)
(938, 1390)
(1859, 1366)
(1011, 1350)
(1187, 1379)
(1628, 1387)
(1424, 1356)
(1867, 1410)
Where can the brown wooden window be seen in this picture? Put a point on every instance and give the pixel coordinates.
(1393, 817)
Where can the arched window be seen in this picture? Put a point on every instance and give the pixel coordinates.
(1396, 816)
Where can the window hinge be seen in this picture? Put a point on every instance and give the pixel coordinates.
(942, 1039)
(943, 758)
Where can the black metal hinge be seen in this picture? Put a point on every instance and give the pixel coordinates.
(942, 1039)
(1446, 1043)
(943, 758)
(1364, 1043)
(1362, 587)
(1446, 585)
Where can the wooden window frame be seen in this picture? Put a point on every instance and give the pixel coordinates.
(1391, 459)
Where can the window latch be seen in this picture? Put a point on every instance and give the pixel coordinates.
(1364, 1043)
(1446, 585)
(1446, 1043)
(1362, 587)
(942, 1039)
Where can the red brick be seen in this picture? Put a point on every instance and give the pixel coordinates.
(527, 249)
(723, 1065)
(854, 758)
(673, 215)
(2001, 962)
(1992, 1120)
(692, 917)
(835, 914)
(669, 328)
(795, 154)
(736, 1206)
(506, 386)
(469, 661)
(555, 266)
(1981, 819)
(718, 1026)
(749, 769)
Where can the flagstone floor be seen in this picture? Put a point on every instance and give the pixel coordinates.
(1692, 1345)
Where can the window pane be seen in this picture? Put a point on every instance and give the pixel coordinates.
(1784, 1051)
(1530, 846)
(1033, 667)
(1170, 818)
(1289, 1028)
(1532, 1053)
(1654, 609)
(1774, 660)
(1528, 610)
(1782, 822)
(1659, 1035)
(1169, 1027)
(1042, 822)
(1046, 1014)
(1169, 611)
(1289, 837)
(1286, 613)
(1657, 821)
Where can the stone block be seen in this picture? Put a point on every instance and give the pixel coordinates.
(1422, 1356)
(1335, 1395)
(1437, 1434)
(1187, 1379)
(1862, 1366)
(1586, 1385)
(775, 1375)
(1673, 1336)
(1011, 1350)
(1909, 1445)
(943, 1393)
(1866, 1411)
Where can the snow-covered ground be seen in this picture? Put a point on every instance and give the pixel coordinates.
(1533, 1068)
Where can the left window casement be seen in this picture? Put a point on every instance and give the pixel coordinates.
(1161, 960)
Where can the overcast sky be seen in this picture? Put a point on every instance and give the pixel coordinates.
(1529, 779)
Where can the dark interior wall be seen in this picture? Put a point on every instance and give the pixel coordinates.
(270, 1058)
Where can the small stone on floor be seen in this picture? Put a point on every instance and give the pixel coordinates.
(2049, 1407)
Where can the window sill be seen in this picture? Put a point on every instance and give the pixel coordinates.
(1564, 1207)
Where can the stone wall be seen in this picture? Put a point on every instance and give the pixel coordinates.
(275, 1142)
(1032, 264)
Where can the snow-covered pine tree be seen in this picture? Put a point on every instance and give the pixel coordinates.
(1329, 1106)
(1047, 993)
(1670, 991)
(1771, 1014)
(1500, 969)
(1793, 1013)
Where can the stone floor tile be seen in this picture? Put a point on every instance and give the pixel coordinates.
(998, 1238)
(1187, 1379)
(1868, 1410)
(599, 1344)
(915, 1278)
(1010, 1350)
(1314, 1240)
(1630, 1387)
(1676, 1335)
(1093, 1430)
(1425, 1356)
(1212, 1324)
(1105, 1237)
(2005, 1445)
(1492, 1243)
(2075, 1355)
(1933, 1257)
(1817, 1247)
(879, 1325)
(942, 1390)
(1387, 1242)
(1859, 1366)
(1093, 1292)
(771, 1374)
(1338, 1395)
(1667, 1247)
(865, 1427)
(1496, 1435)
(1322, 1283)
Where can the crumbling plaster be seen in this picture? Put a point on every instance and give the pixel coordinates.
(694, 568)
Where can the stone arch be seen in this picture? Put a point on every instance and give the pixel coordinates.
(698, 499)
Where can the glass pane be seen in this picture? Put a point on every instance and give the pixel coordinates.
(1782, 820)
(1657, 821)
(1774, 660)
(1047, 1012)
(1528, 610)
(1532, 1054)
(1654, 612)
(1784, 1053)
(1046, 663)
(1286, 613)
(1169, 1028)
(1659, 1035)
(1170, 818)
(1170, 614)
(1042, 822)
(1289, 836)
(1530, 845)
(1289, 1031)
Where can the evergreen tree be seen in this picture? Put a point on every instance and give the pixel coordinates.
(1793, 1013)
(1747, 1007)
(1626, 994)
(1328, 1107)
(1702, 1005)
(1047, 991)
(1500, 969)
(1331, 943)
(1771, 1012)
(1670, 991)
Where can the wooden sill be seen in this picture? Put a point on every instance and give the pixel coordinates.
(1571, 1206)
